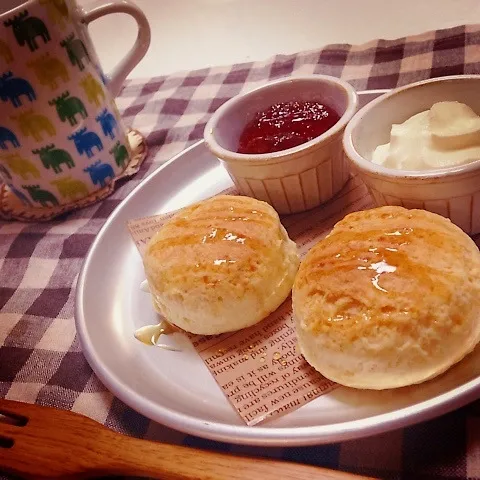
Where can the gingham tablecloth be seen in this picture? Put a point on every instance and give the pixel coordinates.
(41, 359)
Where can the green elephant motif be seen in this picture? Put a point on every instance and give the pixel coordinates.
(120, 154)
(44, 197)
(26, 30)
(68, 107)
(76, 51)
(54, 157)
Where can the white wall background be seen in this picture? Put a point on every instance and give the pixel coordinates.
(191, 34)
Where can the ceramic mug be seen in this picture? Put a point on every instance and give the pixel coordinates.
(61, 136)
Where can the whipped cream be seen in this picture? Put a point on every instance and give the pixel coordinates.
(446, 135)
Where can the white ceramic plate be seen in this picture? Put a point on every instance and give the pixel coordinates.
(175, 388)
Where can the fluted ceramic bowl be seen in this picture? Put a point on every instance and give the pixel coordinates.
(453, 192)
(298, 178)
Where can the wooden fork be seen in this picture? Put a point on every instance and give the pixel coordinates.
(43, 442)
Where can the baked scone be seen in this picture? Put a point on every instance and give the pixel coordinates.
(391, 297)
(220, 265)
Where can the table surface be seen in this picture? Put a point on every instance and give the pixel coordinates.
(224, 32)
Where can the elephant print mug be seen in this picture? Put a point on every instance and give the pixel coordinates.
(61, 137)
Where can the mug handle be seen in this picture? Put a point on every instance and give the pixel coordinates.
(139, 49)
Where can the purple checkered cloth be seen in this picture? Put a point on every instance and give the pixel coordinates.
(41, 359)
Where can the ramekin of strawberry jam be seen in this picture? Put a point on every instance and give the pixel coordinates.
(282, 142)
(286, 125)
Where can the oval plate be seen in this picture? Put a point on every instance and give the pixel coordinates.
(176, 388)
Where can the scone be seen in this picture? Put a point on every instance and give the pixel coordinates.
(220, 265)
(390, 298)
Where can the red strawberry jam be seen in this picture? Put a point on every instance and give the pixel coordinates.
(286, 125)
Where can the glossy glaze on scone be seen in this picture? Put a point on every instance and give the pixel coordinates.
(390, 298)
(221, 265)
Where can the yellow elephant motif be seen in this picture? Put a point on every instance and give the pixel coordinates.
(49, 70)
(93, 89)
(32, 124)
(57, 11)
(5, 52)
(70, 188)
(21, 166)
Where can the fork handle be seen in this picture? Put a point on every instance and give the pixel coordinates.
(60, 444)
(173, 462)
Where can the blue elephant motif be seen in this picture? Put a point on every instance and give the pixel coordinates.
(85, 141)
(12, 88)
(102, 76)
(108, 123)
(100, 172)
(7, 135)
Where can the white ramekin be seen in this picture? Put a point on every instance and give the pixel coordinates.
(453, 192)
(296, 179)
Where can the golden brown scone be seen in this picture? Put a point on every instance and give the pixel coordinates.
(221, 265)
(390, 298)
